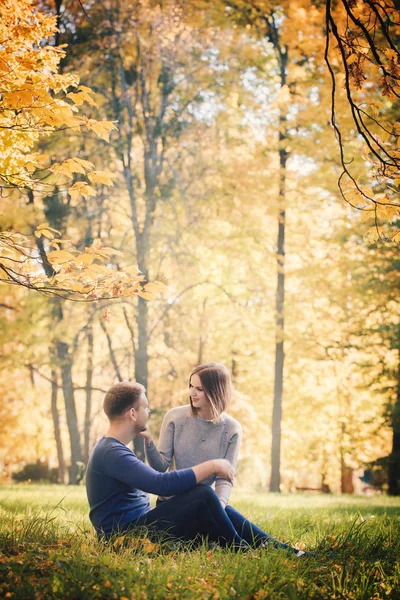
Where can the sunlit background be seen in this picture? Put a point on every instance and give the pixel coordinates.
(223, 140)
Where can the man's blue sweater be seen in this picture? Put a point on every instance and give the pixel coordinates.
(117, 483)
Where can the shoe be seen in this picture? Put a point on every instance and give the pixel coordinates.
(304, 553)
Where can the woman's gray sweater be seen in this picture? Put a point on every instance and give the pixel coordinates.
(187, 440)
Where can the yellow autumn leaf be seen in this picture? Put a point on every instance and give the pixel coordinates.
(80, 188)
(60, 256)
(149, 547)
(129, 292)
(102, 177)
(101, 128)
(86, 164)
(85, 259)
(83, 94)
(391, 54)
(372, 235)
(98, 270)
(367, 190)
(46, 226)
(75, 286)
(132, 269)
(386, 211)
(47, 234)
(146, 296)
(77, 165)
(367, 214)
(155, 287)
(118, 542)
(351, 59)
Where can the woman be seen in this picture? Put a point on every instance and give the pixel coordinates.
(201, 430)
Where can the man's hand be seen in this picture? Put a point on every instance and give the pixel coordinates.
(224, 469)
(146, 435)
(219, 466)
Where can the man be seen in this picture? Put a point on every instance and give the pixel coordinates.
(118, 483)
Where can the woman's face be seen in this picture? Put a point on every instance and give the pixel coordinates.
(197, 394)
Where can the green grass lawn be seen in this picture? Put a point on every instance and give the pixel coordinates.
(48, 550)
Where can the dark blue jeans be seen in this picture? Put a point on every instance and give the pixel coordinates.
(198, 514)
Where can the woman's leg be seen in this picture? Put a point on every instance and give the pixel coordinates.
(195, 513)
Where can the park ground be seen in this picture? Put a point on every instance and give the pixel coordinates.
(48, 550)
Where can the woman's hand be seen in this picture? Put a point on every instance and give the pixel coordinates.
(146, 435)
(224, 469)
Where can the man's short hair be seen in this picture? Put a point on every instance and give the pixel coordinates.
(121, 397)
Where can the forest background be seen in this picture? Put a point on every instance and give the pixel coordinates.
(199, 146)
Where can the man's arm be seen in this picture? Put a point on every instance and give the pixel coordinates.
(217, 466)
(123, 465)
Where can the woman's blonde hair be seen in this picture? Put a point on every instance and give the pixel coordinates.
(217, 385)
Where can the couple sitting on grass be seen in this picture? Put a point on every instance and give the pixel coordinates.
(204, 443)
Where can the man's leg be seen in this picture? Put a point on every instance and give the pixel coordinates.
(253, 535)
(197, 512)
(246, 529)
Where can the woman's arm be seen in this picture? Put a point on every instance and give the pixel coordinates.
(223, 488)
(160, 459)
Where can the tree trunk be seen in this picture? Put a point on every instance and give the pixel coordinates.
(141, 363)
(282, 58)
(65, 360)
(56, 424)
(394, 456)
(141, 355)
(88, 405)
(346, 472)
(346, 478)
(279, 320)
(279, 347)
(202, 329)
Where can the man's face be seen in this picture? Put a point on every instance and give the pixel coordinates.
(141, 412)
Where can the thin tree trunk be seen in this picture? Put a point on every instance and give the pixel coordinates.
(202, 339)
(88, 405)
(394, 456)
(234, 366)
(56, 424)
(141, 363)
(279, 332)
(281, 52)
(346, 472)
(111, 350)
(65, 361)
(132, 334)
(142, 356)
(346, 478)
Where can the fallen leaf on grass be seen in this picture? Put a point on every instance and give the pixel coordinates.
(149, 547)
